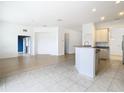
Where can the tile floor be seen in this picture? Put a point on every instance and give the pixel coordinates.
(63, 77)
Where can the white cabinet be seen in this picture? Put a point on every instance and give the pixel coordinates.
(88, 34)
(102, 35)
(85, 61)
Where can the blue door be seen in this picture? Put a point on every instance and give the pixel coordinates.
(20, 43)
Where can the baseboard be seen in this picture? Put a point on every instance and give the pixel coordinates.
(1, 58)
(69, 53)
(116, 57)
(6, 56)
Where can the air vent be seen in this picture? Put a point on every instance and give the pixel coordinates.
(25, 30)
(117, 19)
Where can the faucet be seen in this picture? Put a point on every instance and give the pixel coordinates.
(86, 43)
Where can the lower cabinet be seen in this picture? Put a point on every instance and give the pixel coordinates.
(104, 53)
(97, 61)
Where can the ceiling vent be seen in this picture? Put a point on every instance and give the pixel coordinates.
(25, 30)
(116, 19)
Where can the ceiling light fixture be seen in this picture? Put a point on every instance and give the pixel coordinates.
(59, 20)
(44, 25)
(94, 10)
(117, 2)
(102, 18)
(121, 13)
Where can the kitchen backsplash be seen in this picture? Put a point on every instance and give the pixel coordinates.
(102, 44)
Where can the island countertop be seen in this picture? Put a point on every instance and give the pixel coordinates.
(97, 47)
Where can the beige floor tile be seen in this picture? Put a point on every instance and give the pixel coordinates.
(96, 88)
(66, 83)
(76, 88)
(58, 74)
(56, 88)
(103, 82)
(117, 86)
(119, 76)
(83, 81)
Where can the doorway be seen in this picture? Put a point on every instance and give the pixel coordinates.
(66, 47)
(24, 44)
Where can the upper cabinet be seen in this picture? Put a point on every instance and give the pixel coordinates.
(88, 34)
(102, 35)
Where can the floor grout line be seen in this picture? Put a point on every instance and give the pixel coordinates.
(112, 79)
(60, 71)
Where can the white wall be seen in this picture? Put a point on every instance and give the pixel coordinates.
(29, 30)
(116, 41)
(49, 32)
(73, 39)
(9, 39)
(116, 29)
(111, 24)
(46, 43)
(49, 40)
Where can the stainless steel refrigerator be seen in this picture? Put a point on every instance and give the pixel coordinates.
(123, 49)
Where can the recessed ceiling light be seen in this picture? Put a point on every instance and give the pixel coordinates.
(102, 18)
(121, 13)
(117, 2)
(94, 10)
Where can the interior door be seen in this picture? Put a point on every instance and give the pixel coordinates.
(66, 43)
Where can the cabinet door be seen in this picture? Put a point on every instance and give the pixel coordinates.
(98, 36)
(104, 53)
(102, 35)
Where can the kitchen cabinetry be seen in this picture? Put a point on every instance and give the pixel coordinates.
(102, 35)
(97, 61)
(88, 31)
(86, 61)
(104, 53)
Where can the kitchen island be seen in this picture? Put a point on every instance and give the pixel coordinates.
(86, 60)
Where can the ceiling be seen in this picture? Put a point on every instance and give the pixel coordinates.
(72, 13)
